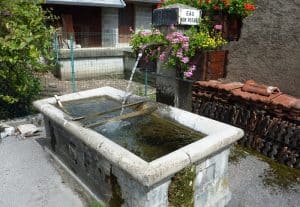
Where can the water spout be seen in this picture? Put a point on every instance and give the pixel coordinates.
(127, 93)
(140, 54)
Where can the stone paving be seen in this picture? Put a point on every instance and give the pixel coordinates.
(254, 183)
(28, 177)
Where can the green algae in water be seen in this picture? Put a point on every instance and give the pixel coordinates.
(149, 137)
(181, 189)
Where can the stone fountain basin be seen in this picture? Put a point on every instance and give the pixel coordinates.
(96, 159)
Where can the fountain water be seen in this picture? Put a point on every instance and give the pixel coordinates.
(140, 54)
(127, 94)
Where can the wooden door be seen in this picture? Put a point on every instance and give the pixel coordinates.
(126, 20)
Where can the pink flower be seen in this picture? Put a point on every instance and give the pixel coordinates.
(218, 27)
(179, 54)
(185, 59)
(188, 74)
(192, 68)
(146, 33)
(162, 56)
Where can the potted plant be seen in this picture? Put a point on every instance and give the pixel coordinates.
(229, 14)
(181, 51)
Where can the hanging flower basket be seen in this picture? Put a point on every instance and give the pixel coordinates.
(229, 14)
(231, 25)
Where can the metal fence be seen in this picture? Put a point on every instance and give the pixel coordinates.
(86, 61)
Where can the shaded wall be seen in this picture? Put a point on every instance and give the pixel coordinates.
(269, 48)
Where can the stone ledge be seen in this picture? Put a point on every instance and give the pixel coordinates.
(94, 52)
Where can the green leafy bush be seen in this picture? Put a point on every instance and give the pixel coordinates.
(25, 43)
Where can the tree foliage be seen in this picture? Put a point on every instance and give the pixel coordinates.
(25, 43)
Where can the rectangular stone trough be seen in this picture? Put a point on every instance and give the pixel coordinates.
(194, 174)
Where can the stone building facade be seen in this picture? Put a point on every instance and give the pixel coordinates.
(100, 32)
(269, 48)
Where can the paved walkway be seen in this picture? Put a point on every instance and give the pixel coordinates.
(28, 178)
(253, 184)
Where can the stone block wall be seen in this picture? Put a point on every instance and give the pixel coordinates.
(143, 16)
(110, 27)
(269, 47)
(271, 122)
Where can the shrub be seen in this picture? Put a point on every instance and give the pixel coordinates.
(25, 43)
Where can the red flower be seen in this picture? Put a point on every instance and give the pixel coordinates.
(208, 1)
(216, 7)
(158, 6)
(249, 7)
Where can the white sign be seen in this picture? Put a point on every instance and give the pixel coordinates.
(189, 16)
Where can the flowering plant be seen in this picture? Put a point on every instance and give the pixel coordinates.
(145, 37)
(242, 8)
(178, 48)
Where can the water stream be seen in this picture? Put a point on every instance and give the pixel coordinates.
(127, 93)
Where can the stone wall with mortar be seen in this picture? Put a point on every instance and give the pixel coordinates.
(269, 48)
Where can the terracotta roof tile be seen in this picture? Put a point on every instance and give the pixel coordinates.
(230, 86)
(253, 97)
(210, 83)
(287, 101)
(261, 89)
